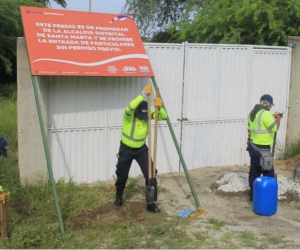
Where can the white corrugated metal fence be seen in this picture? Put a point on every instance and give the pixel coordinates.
(208, 91)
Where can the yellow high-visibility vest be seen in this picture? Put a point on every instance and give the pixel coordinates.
(262, 128)
(134, 130)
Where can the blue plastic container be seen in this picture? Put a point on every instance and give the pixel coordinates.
(265, 196)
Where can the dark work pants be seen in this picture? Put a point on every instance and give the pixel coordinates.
(255, 168)
(126, 156)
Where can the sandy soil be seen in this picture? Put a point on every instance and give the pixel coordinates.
(233, 208)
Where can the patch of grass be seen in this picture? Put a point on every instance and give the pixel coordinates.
(217, 225)
(247, 239)
(292, 150)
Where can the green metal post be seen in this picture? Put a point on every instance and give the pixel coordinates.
(179, 153)
(61, 224)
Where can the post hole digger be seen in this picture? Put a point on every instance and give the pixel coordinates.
(185, 213)
(151, 188)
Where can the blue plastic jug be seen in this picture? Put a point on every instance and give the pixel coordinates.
(265, 196)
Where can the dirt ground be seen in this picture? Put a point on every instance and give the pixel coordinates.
(232, 208)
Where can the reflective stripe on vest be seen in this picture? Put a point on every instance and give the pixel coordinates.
(130, 137)
(259, 130)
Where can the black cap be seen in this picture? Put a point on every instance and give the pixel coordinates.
(142, 110)
(268, 98)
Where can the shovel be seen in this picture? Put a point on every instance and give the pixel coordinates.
(151, 189)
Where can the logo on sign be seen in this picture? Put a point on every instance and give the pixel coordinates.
(129, 69)
(144, 69)
(112, 69)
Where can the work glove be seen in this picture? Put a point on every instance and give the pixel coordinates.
(277, 114)
(157, 102)
(147, 90)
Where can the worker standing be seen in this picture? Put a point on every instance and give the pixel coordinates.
(261, 128)
(133, 142)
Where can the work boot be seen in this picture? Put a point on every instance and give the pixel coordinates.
(118, 202)
(153, 208)
(119, 197)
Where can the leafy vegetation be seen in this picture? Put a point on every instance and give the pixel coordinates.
(292, 150)
(243, 22)
(157, 15)
(11, 28)
(258, 22)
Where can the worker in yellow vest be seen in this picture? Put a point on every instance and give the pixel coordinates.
(133, 142)
(261, 128)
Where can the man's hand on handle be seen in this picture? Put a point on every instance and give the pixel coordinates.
(278, 117)
(278, 114)
(158, 102)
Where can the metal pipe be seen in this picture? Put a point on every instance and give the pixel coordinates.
(47, 154)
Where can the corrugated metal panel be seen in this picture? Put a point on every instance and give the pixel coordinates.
(213, 143)
(235, 62)
(217, 77)
(216, 93)
(167, 61)
(271, 75)
(82, 101)
(167, 156)
(77, 101)
(201, 82)
(79, 154)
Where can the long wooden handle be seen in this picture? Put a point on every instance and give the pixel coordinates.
(149, 138)
(274, 143)
(155, 136)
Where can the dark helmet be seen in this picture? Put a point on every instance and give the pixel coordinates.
(268, 98)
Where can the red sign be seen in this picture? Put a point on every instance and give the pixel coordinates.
(64, 42)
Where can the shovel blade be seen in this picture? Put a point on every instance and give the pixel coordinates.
(150, 193)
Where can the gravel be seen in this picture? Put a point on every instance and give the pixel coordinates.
(237, 182)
